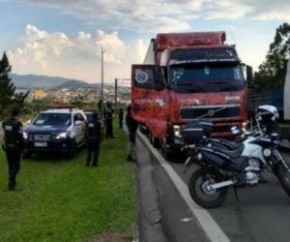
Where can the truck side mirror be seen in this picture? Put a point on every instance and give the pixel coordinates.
(249, 73)
(147, 77)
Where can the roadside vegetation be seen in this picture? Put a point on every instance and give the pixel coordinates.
(61, 200)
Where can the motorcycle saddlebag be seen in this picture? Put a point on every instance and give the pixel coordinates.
(192, 133)
(206, 126)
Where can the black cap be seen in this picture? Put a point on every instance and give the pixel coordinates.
(15, 112)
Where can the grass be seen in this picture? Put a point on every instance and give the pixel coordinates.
(60, 200)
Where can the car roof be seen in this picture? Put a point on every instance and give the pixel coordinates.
(57, 111)
(62, 110)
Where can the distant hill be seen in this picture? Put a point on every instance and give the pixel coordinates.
(35, 81)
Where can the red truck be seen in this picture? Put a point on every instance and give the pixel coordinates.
(186, 76)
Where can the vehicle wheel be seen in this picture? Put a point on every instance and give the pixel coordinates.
(72, 150)
(27, 155)
(142, 128)
(150, 137)
(283, 175)
(198, 188)
(154, 141)
(165, 151)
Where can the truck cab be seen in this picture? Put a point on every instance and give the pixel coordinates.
(189, 76)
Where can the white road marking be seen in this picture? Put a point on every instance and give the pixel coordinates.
(207, 223)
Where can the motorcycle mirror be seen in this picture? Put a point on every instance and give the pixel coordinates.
(234, 128)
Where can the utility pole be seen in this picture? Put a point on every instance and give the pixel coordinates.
(102, 81)
(116, 92)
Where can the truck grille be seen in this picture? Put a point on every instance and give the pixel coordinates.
(211, 112)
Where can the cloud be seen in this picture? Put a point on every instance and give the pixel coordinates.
(155, 15)
(76, 56)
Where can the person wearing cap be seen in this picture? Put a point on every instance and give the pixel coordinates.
(132, 125)
(93, 139)
(109, 114)
(13, 145)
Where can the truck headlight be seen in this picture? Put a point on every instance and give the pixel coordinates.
(177, 131)
(25, 135)
(61, 135)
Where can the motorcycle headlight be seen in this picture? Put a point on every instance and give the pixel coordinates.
(61, 135)
(177, 131)
(25, 135)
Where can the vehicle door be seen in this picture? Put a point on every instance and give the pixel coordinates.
(79, 127)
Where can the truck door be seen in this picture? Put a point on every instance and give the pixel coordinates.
(149, 98)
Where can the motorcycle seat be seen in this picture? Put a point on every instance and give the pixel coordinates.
(233, 154)
(229, 145)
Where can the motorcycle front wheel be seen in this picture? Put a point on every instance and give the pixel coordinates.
(283, 175)
(198, 183)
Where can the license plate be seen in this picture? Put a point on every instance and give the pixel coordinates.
(40, 144)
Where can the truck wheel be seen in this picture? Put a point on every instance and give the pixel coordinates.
(142, 128)
(154, 141)
(165, 151)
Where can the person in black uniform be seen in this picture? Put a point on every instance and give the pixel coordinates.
(13, 145)
(109, 112)
(121, 118)
(93, 138)
(132, 125)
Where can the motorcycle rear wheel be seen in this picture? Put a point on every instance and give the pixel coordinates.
(283, 175)
(197, 184)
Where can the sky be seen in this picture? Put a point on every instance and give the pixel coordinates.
(64, 38)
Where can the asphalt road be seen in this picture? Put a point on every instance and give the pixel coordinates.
(261, 214)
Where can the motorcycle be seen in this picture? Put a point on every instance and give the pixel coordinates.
(223, 164)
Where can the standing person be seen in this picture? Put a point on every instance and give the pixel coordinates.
(13, 145)
(109, 121)
(132, 125)
(121, 118)
(93, 138)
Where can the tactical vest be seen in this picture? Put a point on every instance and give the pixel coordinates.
(92, 131)
(12, 132)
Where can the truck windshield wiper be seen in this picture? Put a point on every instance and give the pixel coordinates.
(225, 86)
(189, 86)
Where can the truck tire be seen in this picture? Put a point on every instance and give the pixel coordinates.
(165, 151)
(154, 141)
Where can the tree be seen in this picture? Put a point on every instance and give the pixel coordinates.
(8, 95)
(271, 73)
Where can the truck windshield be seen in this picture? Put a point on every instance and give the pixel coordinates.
(205, 77)
(53, 119)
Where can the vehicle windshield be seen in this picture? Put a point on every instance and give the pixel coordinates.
(53, 119)
(205, 77)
